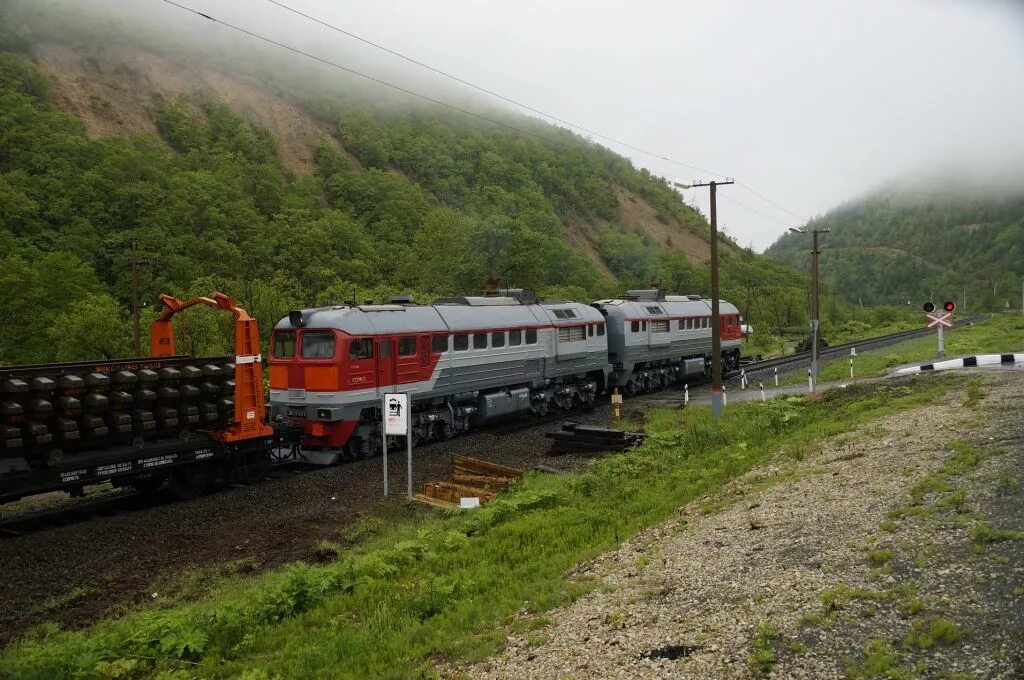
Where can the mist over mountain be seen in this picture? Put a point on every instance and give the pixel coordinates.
(943, 237)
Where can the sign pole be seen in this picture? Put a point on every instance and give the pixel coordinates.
(384, 438)
(397, 421)
(408, 451)
(942, 349)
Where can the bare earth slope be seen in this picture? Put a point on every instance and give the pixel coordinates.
(879, 552)
(114, 90)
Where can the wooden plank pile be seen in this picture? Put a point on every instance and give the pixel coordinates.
(590, 440)
(471, 478)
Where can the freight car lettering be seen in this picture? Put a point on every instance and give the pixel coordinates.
(359, 379)
(297, 411)
(158, 461)
(204, 453)
(127, 366)
(71, 475)
(114, 469)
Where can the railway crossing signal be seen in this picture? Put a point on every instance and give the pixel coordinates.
(939, 320)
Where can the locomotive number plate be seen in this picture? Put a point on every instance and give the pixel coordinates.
(297, 411)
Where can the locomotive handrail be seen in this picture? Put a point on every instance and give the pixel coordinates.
(249, 399)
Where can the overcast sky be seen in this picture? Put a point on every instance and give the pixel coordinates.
(807, 102)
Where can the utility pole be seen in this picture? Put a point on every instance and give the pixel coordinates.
(717, 404)
(136, 333)
(815, 352)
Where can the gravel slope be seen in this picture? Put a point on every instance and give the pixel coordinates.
(791, 547)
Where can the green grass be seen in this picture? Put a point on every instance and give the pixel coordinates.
(1004, 333)
(427, 587)
(762, 656)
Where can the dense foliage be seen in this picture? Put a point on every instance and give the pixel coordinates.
(403, 199)
(892, 247)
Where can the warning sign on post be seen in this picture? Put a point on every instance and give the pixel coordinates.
(396, 414)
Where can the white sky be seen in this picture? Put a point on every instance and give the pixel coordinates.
(809, 102)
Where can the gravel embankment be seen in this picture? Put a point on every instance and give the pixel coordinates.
(806, 547)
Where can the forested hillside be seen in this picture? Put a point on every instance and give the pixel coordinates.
(915, 244)
(285, 188)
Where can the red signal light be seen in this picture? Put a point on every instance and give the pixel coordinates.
(949, 305)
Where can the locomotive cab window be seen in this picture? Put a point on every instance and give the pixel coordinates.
(498, 339)
(531, 336)
(284, 344)
(406, 346)
(479, 340)
(461, 342)
(515, 338)
(440, 344)
(317, 345)
(359, 348)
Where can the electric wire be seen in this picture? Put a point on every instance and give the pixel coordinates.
(344, 68)
(487, 91)
(444, 104)
(756, 212)
(492, 93)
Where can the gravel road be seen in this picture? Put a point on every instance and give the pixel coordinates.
(797, 569)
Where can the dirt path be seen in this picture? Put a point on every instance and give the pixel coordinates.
(888, 552)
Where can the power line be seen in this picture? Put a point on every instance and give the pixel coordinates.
(768, 200)
(345, 68)
(756, 212)
(438, 102)
(485, 90)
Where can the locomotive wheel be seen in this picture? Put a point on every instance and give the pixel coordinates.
(54, 458)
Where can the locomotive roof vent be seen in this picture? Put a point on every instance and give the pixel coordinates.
(645, 295)
(478, 301)
(525, 296)
(682, 298)
(401, 300)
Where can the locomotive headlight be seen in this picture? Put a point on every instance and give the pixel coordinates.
(323, 413)
(295, 318)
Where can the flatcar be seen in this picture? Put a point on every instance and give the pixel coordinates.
(465, 361)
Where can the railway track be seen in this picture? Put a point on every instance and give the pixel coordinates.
(794, 361)
(128, 500)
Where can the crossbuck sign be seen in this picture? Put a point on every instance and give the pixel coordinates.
(940, 319)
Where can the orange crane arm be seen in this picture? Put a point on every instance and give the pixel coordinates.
(249, 401)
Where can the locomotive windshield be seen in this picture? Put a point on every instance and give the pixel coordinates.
(317, 345)
(284, 345)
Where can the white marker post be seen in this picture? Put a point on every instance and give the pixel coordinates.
(725, 397)
(810, 381)
(853, 353)
(761, 385)
(397, 421)
(686, 394)
(776, 376)
(743, 378)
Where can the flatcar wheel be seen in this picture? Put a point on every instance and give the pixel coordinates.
(190, 482)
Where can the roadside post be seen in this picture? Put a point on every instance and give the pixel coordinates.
(686, 394)
(810, 381)
(761, 385)
(743, 378)
(853, 353)
(725, 397)
(776, 376)
(397, 421)
(616, 404)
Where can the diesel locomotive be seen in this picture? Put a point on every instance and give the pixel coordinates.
(468, 361)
